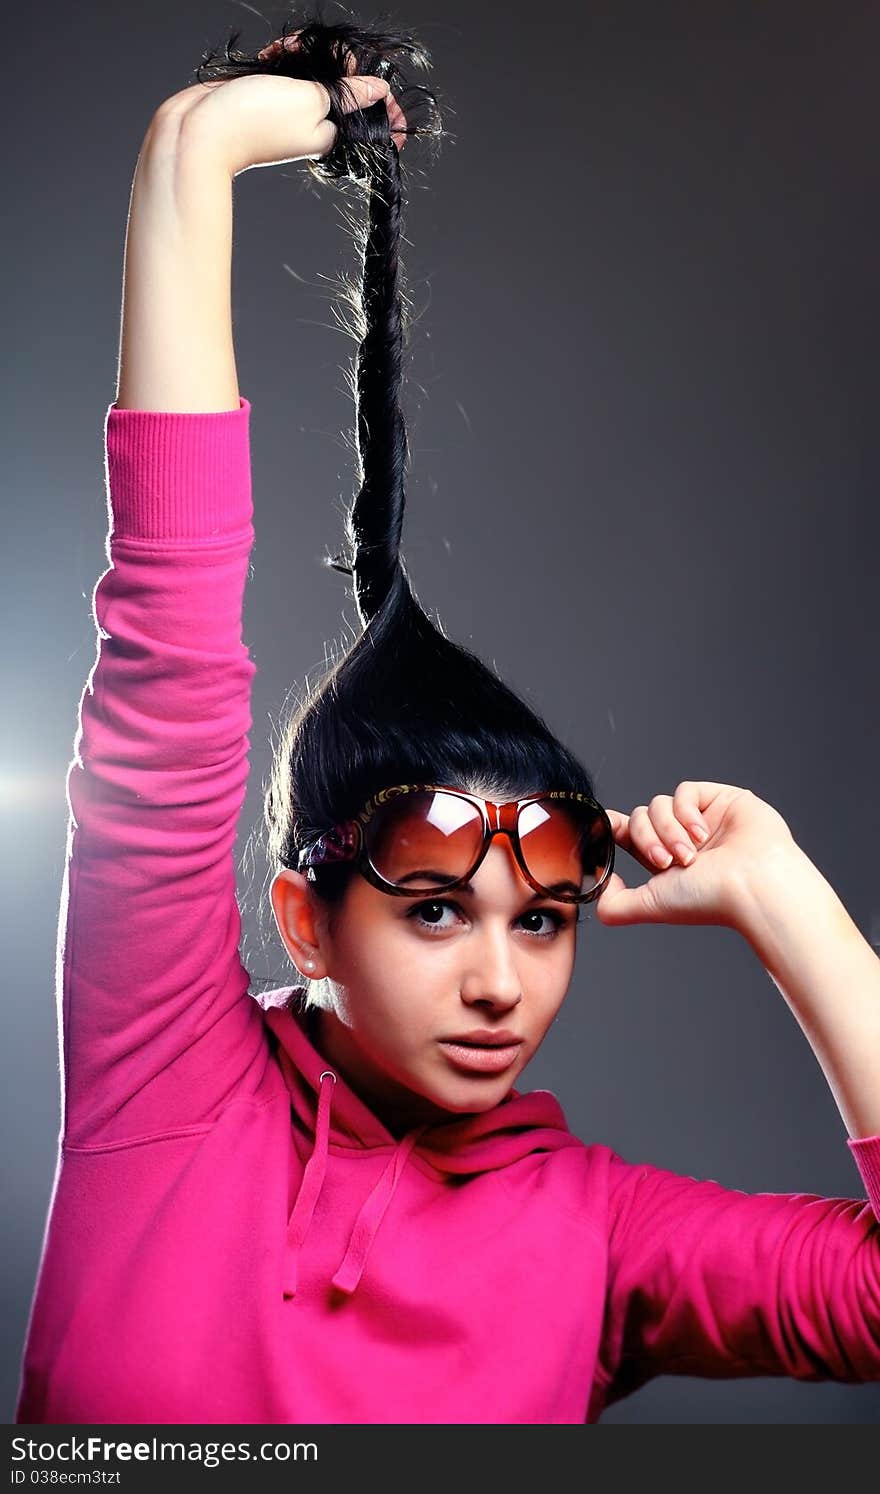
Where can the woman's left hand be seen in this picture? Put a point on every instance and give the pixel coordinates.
(741, 834)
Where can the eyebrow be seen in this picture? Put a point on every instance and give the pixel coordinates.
(469, 886)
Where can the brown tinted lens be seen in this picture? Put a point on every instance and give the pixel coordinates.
(424, 839)
(565, 843)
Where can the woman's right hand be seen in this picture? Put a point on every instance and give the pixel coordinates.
(264, 119)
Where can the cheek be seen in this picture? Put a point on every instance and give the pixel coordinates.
(392, 988)
(548, 984)
(376, 943)
(376, 953)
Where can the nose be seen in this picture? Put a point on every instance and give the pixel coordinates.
(492, 981)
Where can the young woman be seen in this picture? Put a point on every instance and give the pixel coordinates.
(335, 1205)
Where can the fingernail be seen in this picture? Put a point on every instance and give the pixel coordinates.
(699, 833)
(660, 855)
(685, 853)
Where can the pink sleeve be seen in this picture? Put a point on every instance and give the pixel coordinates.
(714, 1282)
(157, 1029)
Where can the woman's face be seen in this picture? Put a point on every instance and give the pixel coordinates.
(409, 975)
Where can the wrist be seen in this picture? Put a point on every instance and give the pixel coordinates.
(175, 136)
(784, 879)
(177, 129)
(785, 906)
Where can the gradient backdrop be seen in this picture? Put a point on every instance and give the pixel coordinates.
(641, 400)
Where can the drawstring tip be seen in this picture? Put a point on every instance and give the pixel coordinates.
(347, 1277)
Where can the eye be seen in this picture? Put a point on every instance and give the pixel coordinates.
(429, 916)
(424, 914)
(554, 919)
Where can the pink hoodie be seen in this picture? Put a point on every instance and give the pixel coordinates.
(233, 1235)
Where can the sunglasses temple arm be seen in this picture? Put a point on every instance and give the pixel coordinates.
(342, 843)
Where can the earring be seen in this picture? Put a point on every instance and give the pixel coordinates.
(309, 964)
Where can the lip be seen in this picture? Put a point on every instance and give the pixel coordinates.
(487, 1037)
(482, 1052)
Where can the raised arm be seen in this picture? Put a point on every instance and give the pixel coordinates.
(157, 1029)
(176, 345)
(705, 1280)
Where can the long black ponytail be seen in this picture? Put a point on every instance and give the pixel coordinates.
(404, 703)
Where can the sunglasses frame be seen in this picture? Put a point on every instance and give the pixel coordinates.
(347, 842)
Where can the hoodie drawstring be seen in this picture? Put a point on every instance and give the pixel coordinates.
(310, 1187)
(371, 1213)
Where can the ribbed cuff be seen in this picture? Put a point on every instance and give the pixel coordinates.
(866, 1151)
(177, 475)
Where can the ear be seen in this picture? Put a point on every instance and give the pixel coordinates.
(302, 931)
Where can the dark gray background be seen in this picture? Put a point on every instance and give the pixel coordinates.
(641, 401)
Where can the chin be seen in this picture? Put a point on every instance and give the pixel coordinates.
(457, 1094)
(476, 1105)
(470, 1095)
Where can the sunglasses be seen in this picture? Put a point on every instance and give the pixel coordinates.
(424, 837)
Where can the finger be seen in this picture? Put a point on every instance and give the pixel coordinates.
(664, 826)
(621, 824)
(686, 807)
(646, 840)
(287, 44)
(397, 121)
(362, 90)
(358, 92)
(324, 138)
(618, 905)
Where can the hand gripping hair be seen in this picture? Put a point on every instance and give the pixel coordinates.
(404, 703)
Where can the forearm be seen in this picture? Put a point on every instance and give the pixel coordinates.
(176, 345)
(828, 974)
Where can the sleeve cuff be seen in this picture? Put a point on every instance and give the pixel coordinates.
(177, 475)
(866, 1151)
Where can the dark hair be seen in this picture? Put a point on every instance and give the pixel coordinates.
(404, 703)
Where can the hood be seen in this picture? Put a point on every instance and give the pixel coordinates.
(332, 1114)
